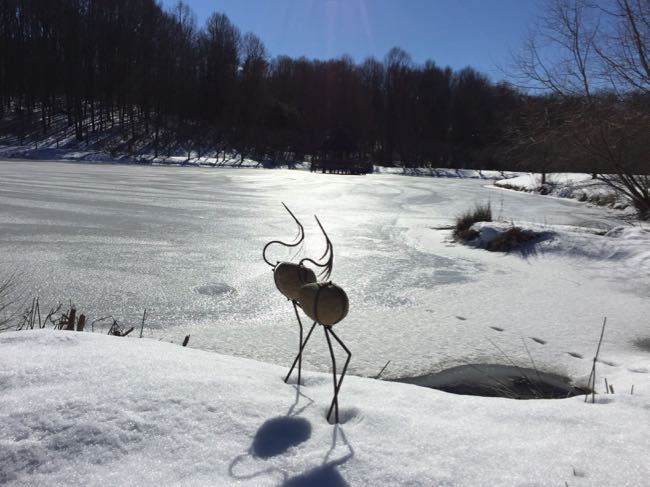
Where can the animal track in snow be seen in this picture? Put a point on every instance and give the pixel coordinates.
(578, 472)
(639, 370)
(607, 362)
(600, 399)
(347, 415)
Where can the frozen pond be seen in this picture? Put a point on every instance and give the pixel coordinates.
(186, 244)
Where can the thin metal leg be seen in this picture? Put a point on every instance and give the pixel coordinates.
(335, 401)
(337, 387)
(299, 356)
(295, 309)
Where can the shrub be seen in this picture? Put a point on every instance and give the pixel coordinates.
(603, 199)
(643, 343)
(462, 227)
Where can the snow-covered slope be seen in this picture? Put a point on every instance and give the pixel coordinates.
(629, 247)
(579, 186)
(87, 409)
(87, 156)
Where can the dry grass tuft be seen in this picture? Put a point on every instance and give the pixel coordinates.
(462, 228)
(643, 344)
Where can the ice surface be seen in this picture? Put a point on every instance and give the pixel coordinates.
(81, 409)
(116, 239)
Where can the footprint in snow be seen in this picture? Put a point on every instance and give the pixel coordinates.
(600, 399)
(579, 473)
(347, 415)
(538, 340)
(639, 370)
(607, 362)
(575, 355)
(496, 328)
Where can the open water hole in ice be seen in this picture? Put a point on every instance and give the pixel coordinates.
(185, 243)
(498, 380)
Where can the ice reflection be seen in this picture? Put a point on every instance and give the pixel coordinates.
(186, 244)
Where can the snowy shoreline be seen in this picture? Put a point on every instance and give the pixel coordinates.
(141, 412)
(580, 187)
(48, 154)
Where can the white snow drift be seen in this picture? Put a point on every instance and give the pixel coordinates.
(84, 409)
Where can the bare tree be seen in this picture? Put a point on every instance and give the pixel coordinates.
(596, 58)
(625, 48)
(534, 137)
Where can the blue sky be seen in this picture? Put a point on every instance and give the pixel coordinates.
(456, 33)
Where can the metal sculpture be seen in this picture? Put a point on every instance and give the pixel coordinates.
(321, 300)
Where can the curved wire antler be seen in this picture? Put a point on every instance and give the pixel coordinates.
(300, 237)
(329, 254)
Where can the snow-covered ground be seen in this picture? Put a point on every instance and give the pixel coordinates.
(579, 186)
(447, 173)
(75, 152)
(627, 244)
(80, 154)
(186, 243)
(90, 410)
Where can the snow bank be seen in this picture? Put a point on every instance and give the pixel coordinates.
(441, 172)
(87, 409)
(579, 186)
(72, 154)
(628, 246)
(533, 181)
(62, 154)
(89, 156)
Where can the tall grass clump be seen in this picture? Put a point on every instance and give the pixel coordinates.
(7, 298)
(464, 222)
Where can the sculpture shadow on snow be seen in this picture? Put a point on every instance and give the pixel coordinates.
(279, 434)
(276, 436)
(326, 474)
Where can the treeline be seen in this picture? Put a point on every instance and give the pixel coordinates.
(152, 75)
(160, 83)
